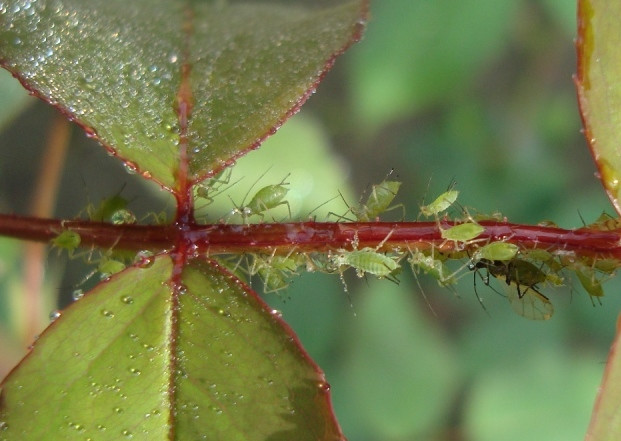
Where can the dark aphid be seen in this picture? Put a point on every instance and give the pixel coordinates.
(526, 299)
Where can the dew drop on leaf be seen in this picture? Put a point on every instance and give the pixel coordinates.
(77, 294)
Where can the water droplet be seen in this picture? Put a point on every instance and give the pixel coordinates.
(118, 410)
(144, 259)
(107, 313)
(127, 433)
(130, 168)
(276, 312)
(77, 294)
(128, 300)
(134, 371)
(101, 427)
(324, 386)
(54, 315)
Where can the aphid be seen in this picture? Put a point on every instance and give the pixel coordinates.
(605, 222)
(267, 198)
(112, 209)
(464, 232)
(67, 240)
(210, 188)
(275, 271)
(432, 266)
(441, 203)
(588, 278)
(526, 300)
(378, 202)
(503, 251)
(366, 260)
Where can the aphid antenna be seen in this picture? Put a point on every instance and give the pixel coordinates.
(584, 224)
(314, 218)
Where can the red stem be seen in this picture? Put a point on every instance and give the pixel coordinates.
(308, 236)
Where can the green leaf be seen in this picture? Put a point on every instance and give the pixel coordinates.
(599, 90)
(136, 358)
(605, 423)
(131, 72)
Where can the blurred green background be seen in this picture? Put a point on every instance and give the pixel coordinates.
(476, 91)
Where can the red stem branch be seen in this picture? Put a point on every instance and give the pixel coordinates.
(309, 236)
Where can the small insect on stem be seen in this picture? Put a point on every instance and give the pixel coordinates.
(461, 234)
(378, 202)
(275, 271)
(212, 187)
(366, 260)
(430, 265)
(112, 209)
(67, 240)
(441, 203)
(526, 300)
(267, 198)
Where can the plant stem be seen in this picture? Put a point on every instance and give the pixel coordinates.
(312, 236)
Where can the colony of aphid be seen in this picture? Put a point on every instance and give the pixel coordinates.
(525, 272)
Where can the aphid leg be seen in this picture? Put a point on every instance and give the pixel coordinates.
(339, 216)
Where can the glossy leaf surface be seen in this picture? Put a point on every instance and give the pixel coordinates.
(137, 359)
(169, 84)
(599, 89)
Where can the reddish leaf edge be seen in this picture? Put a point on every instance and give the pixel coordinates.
(180, 192)
(584, 50)
(608, 372)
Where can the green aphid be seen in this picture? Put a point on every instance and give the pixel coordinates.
(503, 251)
(607, 266)
(67, 240)
(378, 202)
(212, 187)
(606, 222)
(588, 279)
(275, 271)
(462, 232)
(108, 266)
(589, 282)
(432, 266)
(440, 204)
(366, 260)
(107, 208)
(123, 216)
(267, 198)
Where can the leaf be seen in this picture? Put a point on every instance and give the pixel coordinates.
(599, 91)
(135, 358)
(605, 423)
(173, 84)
